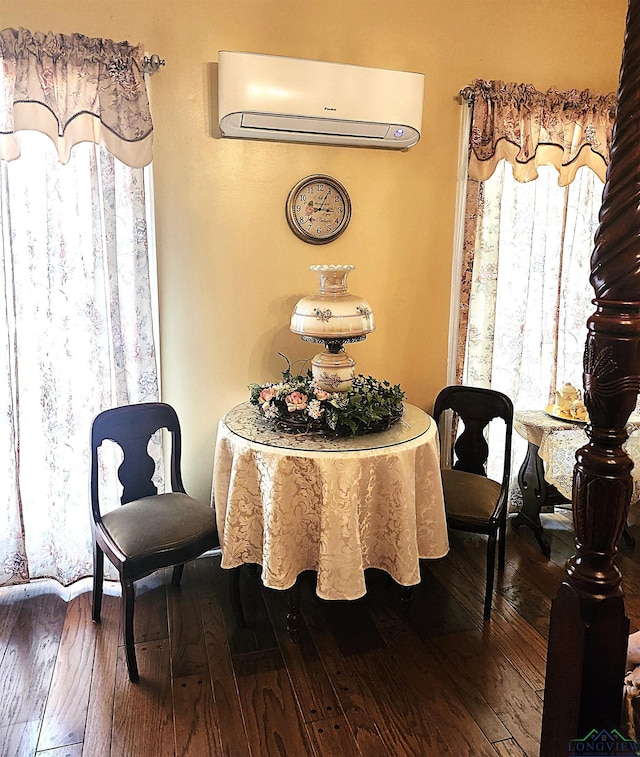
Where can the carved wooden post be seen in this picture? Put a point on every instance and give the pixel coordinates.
(589, 628)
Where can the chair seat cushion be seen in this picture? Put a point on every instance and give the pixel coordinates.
(467, 495)
(162, 522)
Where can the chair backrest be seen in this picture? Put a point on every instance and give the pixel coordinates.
(476, 408)
(131, 427)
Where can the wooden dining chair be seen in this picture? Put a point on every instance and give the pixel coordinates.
(149, 530)
(474, 502)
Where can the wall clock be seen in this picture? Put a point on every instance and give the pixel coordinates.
(318, 209)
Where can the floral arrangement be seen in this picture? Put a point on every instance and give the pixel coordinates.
(297, 404)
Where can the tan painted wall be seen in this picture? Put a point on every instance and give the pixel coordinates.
(230, 270)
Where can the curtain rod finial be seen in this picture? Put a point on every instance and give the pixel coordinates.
(152, 63)
(467, 95)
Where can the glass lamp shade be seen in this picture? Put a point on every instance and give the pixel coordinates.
(332, 314)
(335, 317)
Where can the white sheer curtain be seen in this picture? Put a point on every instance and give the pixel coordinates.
(76, 337)
(530, 295)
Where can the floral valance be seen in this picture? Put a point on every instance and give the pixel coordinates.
(74, 89)
(528, 128)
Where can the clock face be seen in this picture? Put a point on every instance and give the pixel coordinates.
(318, 209)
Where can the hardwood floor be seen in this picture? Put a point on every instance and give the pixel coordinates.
(364, 679)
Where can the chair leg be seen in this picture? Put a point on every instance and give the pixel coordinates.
(128, 598)
(502, 535)
(98, 573)
(491, 566)
(629, 538)
(293, 614)
(406, 598)
(176, 575)
(236, 599)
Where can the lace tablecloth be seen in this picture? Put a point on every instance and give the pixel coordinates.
(336, 506)
(558, 442)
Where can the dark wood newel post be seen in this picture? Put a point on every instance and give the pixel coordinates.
(589, 628)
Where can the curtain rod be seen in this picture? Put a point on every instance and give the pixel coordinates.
(152, 63)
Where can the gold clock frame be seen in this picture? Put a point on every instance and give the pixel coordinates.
(305, 234)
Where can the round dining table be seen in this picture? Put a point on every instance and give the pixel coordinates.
(337, 506)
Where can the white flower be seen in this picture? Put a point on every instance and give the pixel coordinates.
(270, 411)
(315, 409)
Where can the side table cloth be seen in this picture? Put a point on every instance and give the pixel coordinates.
(558, 442)
(297, 502)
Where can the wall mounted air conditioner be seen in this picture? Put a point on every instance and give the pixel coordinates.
(296, 100)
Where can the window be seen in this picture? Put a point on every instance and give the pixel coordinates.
(76, 337)
(530, 297)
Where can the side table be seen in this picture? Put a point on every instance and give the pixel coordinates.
(546, 474)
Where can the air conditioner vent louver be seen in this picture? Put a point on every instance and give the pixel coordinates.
(314, 125)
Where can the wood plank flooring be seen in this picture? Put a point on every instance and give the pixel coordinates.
(364, 679)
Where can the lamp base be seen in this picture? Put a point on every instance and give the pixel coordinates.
(333, 371)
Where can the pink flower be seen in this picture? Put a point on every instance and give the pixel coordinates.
(266, 395)
(321, 394)
(296, 401)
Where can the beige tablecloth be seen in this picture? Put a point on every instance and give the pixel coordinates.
(558, 442)
(336, 506)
